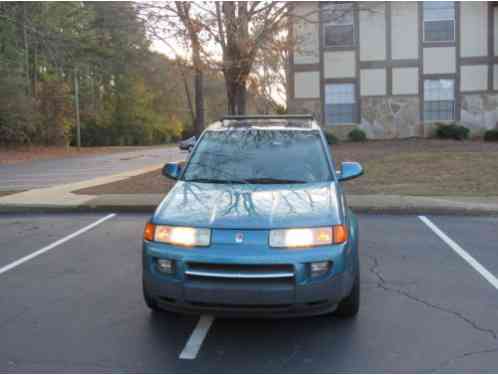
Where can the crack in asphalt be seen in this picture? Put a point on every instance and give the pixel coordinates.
(375, 269)
(383, 284)
(285, 362)
(465, 355)
(14, 317)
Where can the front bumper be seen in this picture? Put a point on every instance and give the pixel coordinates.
(291, 295)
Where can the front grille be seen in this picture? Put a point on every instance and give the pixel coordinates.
(239, 271)
(238, 306)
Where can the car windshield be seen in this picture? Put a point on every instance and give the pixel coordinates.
(266, 156)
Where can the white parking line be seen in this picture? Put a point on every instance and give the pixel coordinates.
(457, 249)
(18, 262)
(195, 340)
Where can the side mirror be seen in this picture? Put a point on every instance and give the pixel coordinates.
(349, 170)
(172, 170)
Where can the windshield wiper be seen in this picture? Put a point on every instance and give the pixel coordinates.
(269, 180)
(216, 181)
(261, 180)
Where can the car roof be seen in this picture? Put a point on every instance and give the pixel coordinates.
(267, 122)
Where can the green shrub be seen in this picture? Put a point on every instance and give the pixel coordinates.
(280, 109)
(331, 138)
(357, 135)
(491, 135)
(20, 120)
(452, 131)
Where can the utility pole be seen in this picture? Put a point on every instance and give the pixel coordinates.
(77, 107)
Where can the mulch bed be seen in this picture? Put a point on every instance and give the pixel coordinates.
(5, 193)
(151, 182)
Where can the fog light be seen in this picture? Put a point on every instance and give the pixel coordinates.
(165, 266)
(319, 268)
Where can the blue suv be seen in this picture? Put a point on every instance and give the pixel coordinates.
(257, 224)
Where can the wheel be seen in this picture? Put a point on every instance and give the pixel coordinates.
(149, 301)
(349, 306)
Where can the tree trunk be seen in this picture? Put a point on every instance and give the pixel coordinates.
(241, 98)
(183, 9)
(237, 57)
(231, 95)
(187, 94)
(236, 95)
(77, 108)
(26, 52)
(199, 102)
(35, 72)
(198, 84)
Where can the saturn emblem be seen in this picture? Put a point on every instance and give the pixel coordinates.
(239, 237)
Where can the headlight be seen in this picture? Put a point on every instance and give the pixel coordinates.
(181, 236)
(308, 237)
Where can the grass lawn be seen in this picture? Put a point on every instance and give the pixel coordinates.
(408, 167)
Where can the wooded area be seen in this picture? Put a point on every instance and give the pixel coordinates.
(128, 94)
(63, 63)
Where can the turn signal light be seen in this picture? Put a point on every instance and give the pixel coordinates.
(340, 234)
(149, 232)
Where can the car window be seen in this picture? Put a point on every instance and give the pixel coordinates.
(259, 156)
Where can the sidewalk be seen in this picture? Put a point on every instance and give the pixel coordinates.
(61, 199)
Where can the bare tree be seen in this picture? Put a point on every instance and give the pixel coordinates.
(239, 38)
(193, 27)
(243, 30)
(222, 35)
(176, 25)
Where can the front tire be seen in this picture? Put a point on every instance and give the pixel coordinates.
(349, 306)
(149, 301)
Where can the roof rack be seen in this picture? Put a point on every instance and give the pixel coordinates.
(286, 120)
(306, 116)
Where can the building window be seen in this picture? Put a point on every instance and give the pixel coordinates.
(439, 99)
(340, 103)
(439, 21)
(338, 25)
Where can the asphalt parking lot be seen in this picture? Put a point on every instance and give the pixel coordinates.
(51, 172)
(74, 304)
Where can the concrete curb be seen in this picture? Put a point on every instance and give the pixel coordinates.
(378, 204)
(151, 209)
(443, 211)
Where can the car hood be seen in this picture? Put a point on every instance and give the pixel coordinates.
(249, 206)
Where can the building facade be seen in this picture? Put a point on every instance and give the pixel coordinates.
(393, 69)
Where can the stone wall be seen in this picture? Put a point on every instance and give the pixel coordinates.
(479, 112)
(399, 116)
(299, 106)
(381, 117)
(391, 117)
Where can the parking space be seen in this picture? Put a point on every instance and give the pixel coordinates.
(78, 306)
(21, 234)
(478, 235)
